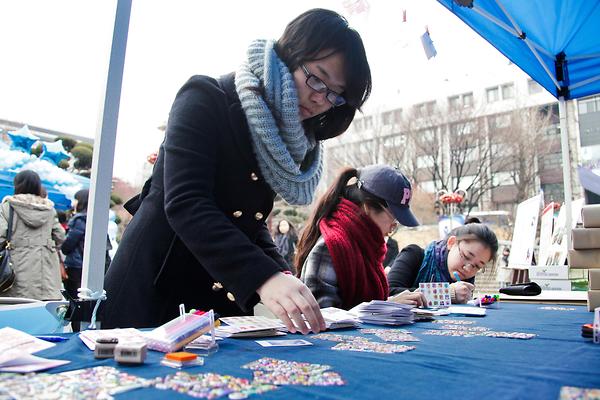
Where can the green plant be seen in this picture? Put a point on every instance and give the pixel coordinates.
(37, 149)
(67, 142)
(83, 157)
(63, 164)
(116, 198)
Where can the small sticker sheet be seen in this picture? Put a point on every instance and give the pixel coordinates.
(88, 383)
(448, 332)
(334, 337)
(210, 385)
(453, 322)
(392, 335)
(465, 328)
(268, 370)
(372, 347)
(436, 293)
(575, 393)
(285, 342)
(511, 335)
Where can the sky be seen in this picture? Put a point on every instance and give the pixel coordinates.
(55, 57)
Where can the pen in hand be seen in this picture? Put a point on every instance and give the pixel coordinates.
(456, 276)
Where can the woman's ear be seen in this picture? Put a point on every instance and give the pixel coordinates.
(451, 241)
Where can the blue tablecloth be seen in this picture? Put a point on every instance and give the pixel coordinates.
(441, 366)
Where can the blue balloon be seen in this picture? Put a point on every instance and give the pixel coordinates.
(54, 152)
(22, 139)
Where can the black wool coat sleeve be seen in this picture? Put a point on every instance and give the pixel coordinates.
(199, 235)
(405, 269)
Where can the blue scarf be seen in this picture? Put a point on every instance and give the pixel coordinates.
(434, 267)
(289, 162)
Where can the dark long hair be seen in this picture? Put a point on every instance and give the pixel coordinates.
(325, 207)
(305, 39)
(82, 200)
(477, 232)
(28, 182)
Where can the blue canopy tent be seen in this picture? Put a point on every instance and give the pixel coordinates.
(556, 42)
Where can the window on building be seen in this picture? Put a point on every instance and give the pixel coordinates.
(533, 87)
(427, 186)
(492, 94)
(508, 91)
(368, 122)
(589, 105)
(454, 102)
(425, 161)
(502, 179)
(468, 99)
(398, 116)
(500, 121)
(430, 107)
(427, 135)
(386, 118)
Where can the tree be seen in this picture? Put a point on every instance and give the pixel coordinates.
(67, 142)
(83, 157)
(520, 141)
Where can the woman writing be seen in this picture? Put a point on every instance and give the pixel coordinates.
(457, 259)
(342, 248)
(199, 235)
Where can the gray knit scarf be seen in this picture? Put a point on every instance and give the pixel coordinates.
(286, 158)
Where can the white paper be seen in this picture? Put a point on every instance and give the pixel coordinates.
(89, 337)
(30, 363)
(14, 343)
(285, 342)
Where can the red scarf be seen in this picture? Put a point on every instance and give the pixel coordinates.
(357, 249)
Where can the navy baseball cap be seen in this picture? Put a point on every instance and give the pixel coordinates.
(392, 186)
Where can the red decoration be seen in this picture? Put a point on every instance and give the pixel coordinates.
(152, 158)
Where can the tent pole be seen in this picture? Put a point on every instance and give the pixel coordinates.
(102, 163)
(566, 161)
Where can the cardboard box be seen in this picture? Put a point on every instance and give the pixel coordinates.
(590, 215)
(554, 284)
(549, 272)
(584, 258)
(573, 285)
(593, 299)
(556, 272)
(594, 278)
(585, 238)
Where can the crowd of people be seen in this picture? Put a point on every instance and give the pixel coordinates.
(199, 232)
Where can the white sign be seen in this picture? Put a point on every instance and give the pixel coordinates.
(523, 240)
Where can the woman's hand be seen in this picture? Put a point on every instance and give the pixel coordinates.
(463, 291)
(415, 298)
(288, 298)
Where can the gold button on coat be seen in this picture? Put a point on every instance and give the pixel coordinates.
(217, 286)
(258, 216)
(253, 176)
(230, 296)
(237, 214)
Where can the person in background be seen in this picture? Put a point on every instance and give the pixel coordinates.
(36, 233)
(391, 245)
(342, 247)
(231, 145)
(73, 246)
(286, 239)
(467, 250)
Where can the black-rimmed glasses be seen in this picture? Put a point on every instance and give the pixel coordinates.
(467, 261)
(316, 84)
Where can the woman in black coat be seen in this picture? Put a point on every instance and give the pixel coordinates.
(198, 236)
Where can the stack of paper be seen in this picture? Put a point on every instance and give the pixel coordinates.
(384, 313)
(124, 335)
(16, 348)
(336, 318)
(250, 326)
